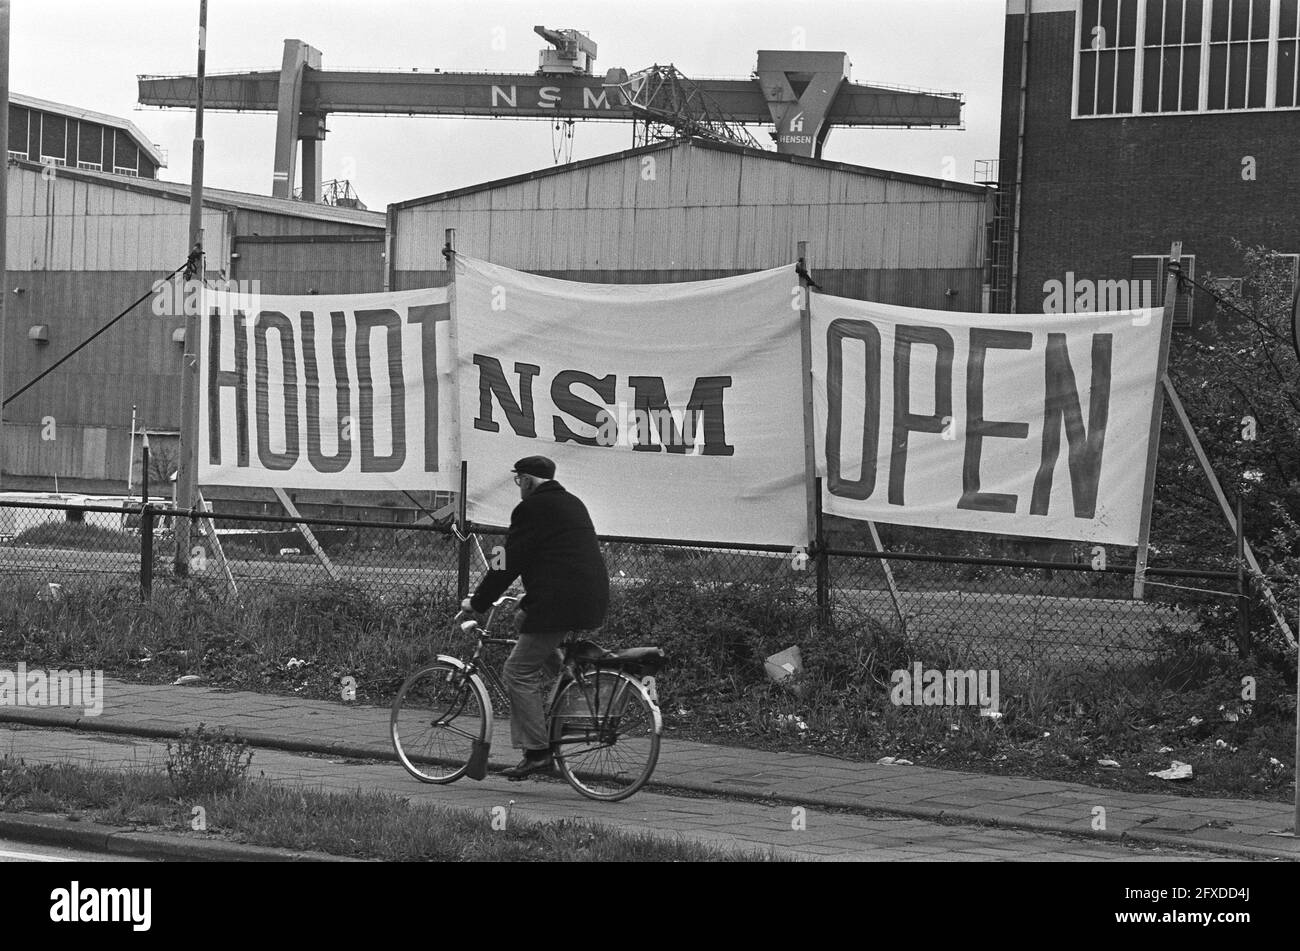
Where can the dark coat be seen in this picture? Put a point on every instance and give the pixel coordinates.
(552, 546)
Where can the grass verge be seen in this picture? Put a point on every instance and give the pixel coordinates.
(1191, 700)
(368, 825)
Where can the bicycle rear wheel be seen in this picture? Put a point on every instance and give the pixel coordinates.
(605, 735)
(438, 716)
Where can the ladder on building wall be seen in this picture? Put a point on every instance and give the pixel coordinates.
(1000, 237)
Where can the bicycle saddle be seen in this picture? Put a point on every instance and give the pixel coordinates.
(642, 661)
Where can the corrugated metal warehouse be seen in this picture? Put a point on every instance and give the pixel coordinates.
(84, 244)
(692, 210)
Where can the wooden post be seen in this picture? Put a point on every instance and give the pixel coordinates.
(811, 483)
(1153, 433)
(888, 570)
(307, 534)
(187, 470)
(210, 529)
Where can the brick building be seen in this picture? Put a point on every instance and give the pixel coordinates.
(1127, 124)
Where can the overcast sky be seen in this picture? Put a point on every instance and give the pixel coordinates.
(89, 53)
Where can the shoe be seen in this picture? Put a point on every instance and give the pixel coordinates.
(528, 767)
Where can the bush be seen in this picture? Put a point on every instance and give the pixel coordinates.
(205, 762)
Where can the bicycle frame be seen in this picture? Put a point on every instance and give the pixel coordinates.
(570, 673)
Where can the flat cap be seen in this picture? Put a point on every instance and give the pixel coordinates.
(538, 466)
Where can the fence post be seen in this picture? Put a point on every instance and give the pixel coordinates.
(462, 549)
(823, 560)
(146, 552)
(1243, 588)
(146, 524)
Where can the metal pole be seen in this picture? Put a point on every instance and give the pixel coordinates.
(187, 476)
(4, 208)
(130, 455)
(462, 551)
(146, 525)
(823, 562)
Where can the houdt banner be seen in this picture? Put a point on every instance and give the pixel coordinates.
(672, 410)
(1014, 424)
(328, 392)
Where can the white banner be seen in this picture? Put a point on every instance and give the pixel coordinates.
(328, 392)
(1013, 424)
(671, 410)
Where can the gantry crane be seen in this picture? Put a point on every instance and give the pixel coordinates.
(801, 93)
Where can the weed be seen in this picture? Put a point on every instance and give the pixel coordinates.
(207, 762)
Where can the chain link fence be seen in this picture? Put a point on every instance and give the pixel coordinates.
(981, 611)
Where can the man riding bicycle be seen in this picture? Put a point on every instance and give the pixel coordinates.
(552, 547)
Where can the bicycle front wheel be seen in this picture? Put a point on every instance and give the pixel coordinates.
(440, 713)
(605, 735)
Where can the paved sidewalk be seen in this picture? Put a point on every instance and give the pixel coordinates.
(1238, 827)
(742, 827)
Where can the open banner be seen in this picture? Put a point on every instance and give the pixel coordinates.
(1011, 424)
(671, 410)
(327, 392)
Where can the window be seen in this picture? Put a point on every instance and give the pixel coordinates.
(1288, 53)
(1171, 64)
(125, 154)
(1152, 57)
(1238, 70)
(1151, 267)
(90, 145)
(54, 138)
(18, 119)
(1107, 54)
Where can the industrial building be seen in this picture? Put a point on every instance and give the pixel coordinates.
(695, 209)
(83, 244)
(65, 136)
(1128, 124)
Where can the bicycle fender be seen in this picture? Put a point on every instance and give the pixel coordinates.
(488, 715)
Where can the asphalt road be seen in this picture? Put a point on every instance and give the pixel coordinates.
(12, 851)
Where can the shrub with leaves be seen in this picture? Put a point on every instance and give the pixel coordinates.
(207, 762)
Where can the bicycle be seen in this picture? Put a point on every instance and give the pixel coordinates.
(602, 715)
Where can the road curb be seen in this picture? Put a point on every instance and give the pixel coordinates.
(929, 813)
(973, 817)
(124, 841)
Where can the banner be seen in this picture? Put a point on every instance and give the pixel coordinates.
(671, 410)
(1013, 424)
(327, 392)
